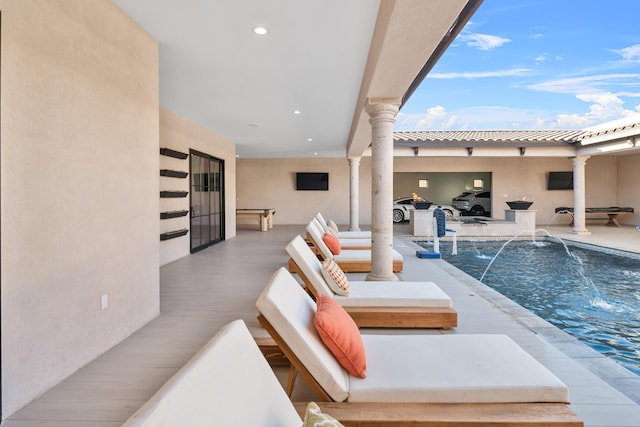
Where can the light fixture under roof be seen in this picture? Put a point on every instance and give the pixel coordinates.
(309, 139)
(261, 31)
(620, 146)
(297, 112)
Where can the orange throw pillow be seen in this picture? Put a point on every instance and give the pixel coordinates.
(332, 243)
(341, 335)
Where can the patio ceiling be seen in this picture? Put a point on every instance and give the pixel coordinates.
(320, 58)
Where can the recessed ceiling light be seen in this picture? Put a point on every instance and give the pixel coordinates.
(253, 125)
(315, 154)
(261, 31)
(309, 139)
(297, 112)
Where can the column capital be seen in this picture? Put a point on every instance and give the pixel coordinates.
(580, 159)
(379, 107)
(354, 161)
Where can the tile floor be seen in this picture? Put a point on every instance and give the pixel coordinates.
(202, 292)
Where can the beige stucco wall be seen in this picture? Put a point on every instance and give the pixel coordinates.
(180, 134)
(270, 183)
(628, 183)
(512, 178)
(79, 188)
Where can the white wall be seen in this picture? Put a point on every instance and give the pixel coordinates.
(180, 134)
(79, 188)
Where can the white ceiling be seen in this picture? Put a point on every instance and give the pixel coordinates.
(318, 58)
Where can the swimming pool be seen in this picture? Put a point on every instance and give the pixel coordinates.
(590, 294)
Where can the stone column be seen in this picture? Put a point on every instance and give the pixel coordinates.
(382, 113)
(354, 194)
(579, 187)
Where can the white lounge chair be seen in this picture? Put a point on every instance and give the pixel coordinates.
(350, 260)
(377, 304)
(343, 234)
(478, 374)
(228, 383)
(345, 243)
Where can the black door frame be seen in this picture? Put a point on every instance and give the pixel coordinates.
(210, 159)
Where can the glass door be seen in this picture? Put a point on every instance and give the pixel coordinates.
(206, 205)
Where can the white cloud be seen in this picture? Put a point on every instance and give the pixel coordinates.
(631, 53)
(480, 74)
(604, 107)
(540, 58)
(435, 118)
(471, 118)
(483, 41)
(586, 84)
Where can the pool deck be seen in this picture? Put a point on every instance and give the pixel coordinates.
(202, 292)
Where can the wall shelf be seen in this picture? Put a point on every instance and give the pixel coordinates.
(173, 234)
(173, 214)
(173, 174)
(173, 194)
(173, 153)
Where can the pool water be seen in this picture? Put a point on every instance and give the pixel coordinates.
(592, 295)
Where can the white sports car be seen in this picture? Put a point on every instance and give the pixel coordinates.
(402, 208)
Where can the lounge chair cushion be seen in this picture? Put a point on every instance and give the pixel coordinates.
(314, 417)
(307, 261)
(227, 383)
(360, 255)
(442, 369)
(394, 294)
(355, 255)
(335, 277)
(341, 336)
(332, 224)
(447, 368)
(332, 243)
(367, 293)
(343, 234)
(291, 311)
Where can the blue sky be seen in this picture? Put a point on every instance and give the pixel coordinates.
(534, 64)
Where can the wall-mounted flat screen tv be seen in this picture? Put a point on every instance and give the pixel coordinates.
(560, 181)
(318, 181)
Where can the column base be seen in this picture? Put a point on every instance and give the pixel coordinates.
(371, 277)
(354, 228)
(581, 232)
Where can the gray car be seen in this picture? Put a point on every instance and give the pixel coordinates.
(473, 203)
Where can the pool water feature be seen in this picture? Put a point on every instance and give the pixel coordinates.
(590, 294)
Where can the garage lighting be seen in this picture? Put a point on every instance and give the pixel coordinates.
(478, 184)
(423, 183)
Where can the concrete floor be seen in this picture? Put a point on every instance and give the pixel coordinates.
(202, 292)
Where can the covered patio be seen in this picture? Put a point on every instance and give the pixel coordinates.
(204, 291)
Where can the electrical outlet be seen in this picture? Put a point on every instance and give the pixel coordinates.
(104, 301)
